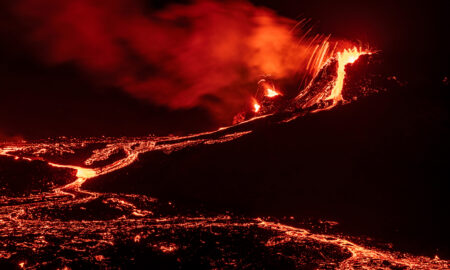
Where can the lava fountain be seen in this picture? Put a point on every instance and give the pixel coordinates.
(102, 226)
(348, 56)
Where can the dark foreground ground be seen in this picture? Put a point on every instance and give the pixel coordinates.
(378, 166)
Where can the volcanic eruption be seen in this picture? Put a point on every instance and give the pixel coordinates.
(262, 191)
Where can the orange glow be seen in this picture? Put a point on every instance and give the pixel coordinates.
(169, 248)
(256, 107)
(137, 238)
(85, 173)
(348, 56)
(271, 93)
(82, 173)
(99, 257)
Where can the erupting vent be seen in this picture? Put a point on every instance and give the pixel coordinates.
(84, 202)
(348, 56)
(323, 92)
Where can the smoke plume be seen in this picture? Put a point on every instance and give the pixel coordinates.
(205, 53)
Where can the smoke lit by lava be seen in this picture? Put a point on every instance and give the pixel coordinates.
(208, 54)
(203, 54)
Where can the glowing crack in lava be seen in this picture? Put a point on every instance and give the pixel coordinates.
(136, 225)
(69, 222)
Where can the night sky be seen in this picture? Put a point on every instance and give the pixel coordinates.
(41, 98)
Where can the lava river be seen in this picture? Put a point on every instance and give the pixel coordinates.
(65, 226)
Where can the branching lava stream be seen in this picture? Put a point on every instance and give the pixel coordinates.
(81, 228)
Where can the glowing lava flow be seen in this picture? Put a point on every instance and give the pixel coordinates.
(135, 223)
(256, 107)
(361, 257)
(271, 93)
(136, 216)
(82, 175)
(348, 56)
(324, 90)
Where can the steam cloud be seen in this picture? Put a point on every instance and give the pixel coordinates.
(203, 54)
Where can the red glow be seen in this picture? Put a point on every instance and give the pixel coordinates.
(222, 45)
(331, 92)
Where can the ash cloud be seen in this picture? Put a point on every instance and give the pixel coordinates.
(206, 53)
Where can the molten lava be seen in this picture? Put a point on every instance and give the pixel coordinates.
(271, 93)
(348, 56)
(325, 89)
(256, 107)
(138, 225)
